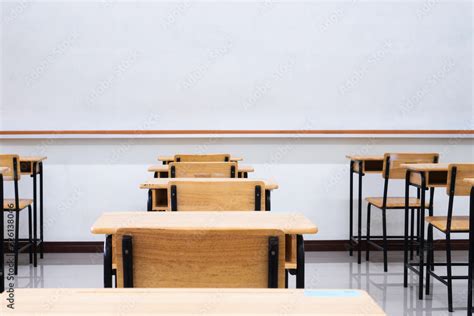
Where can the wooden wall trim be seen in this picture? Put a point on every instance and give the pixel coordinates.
(310, 246)
(239, 132)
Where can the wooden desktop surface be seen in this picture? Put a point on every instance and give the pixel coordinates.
(3, 169)
(165, 168)
(365, 157)
(426, 166)
(32, 158)
(190, 302)
(289, 223)
(162, 183)
(171, 158)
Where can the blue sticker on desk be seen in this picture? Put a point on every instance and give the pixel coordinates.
(331, 293)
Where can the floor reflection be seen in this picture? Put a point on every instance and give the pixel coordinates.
(323, 270)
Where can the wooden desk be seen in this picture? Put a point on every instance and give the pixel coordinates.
(360, 164)
(33, 166)
(423, 176)
(158, 190)
(471, 247)
(435, 174)
(162, 171)
(191, 302)
(289, 223)
(167, 159)
(2, 234)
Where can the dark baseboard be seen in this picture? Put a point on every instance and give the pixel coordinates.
(310, 245)
(343, 245)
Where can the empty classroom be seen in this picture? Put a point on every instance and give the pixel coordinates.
(258, 157)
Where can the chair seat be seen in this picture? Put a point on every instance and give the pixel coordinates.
(9, 204)
(396, 202)
(459, 224)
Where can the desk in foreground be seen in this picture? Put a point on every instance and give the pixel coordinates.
(191, 302)
(289, 223)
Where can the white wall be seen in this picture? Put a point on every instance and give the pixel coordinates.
(292, 64)
(86, 177)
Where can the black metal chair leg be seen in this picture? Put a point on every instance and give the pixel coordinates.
(385, 246)
(300, 268)
(449, 279)
(30, 234)
(412, 232)
(286, 278)
(429, 259)
(359, 220)
(367, 249)
(17, 232)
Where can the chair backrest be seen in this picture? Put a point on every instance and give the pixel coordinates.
(168, 258)
(12, 162)
(201, 157)
(395, 160)
(213, 195)
(203, 169)
(456, 175)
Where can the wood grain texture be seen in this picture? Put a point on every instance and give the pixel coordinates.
(203, 195)
(6, 161)
(243, 132)
(470, 181)
(464, 170)
(426, 166)
(167, 258)
(32, 158)
(237, 302)
(163, 183)
(165, 168)
(289, 223)
(203, 169)
(395, 202)
(9, 204)
(201, 157)
(397, 160)
(458, 223)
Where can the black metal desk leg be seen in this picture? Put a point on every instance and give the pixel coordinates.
(471, 254)
(351, 206)
(149, 206)
(2, 251)
(405, 239)
(41, 209)
(35, 217)
(422, 237)
(299, 262)
(359, 220)
(108, 261)
(268, 204)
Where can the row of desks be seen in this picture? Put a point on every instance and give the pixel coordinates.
(423, 176)
(32, 166)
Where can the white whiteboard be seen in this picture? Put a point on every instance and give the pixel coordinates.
(246, 65)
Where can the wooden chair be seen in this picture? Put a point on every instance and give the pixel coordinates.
(392, 170)
(203, 195)
(201, 158)
(160, 258)
(449, 224)
(203, 170)
(12, 162)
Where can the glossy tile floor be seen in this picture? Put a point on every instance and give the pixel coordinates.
(323, 270)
